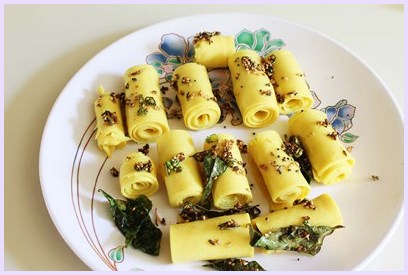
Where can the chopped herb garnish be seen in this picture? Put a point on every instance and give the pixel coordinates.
(133, 221)
(149, 101)
(300, 238)
(144, 103)
(234, 264)
(211, 138)
(142, 111)
(174, 164)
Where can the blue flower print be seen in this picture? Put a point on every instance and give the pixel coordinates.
(341, 118)
(174, 51)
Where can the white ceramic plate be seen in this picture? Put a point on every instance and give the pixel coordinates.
(72, 168)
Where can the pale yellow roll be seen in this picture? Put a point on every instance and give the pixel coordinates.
(204, 240)
(325, 212)
(280, 172)
(138, 176)
(293, 93)
(198, 103)
(330, 160)
(186, 185)
(253, 91)
(231, 187)
(215, 51)
(145, 113)
(109, 124)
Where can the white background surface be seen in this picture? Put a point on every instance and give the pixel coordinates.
(46, 45)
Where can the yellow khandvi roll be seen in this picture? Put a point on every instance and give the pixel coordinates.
(198, 103)
(321, 211)
(145, 113)
(232, 186)
(280, 172)
(110, 132)
(138, 176)
(292, 91)
(210, 239)
(330, 160)
(253, 91)
(213, 49)
(181, 173)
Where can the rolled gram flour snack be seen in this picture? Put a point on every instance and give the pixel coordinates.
(292, 91)
(145, 114)
(281, 173)
(138, 176)
(180, 171)
(110, 133)
(212, 50)
(252, 89)
(330, 160)
(194, 92)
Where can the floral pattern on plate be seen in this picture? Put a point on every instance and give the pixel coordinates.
(341, 118)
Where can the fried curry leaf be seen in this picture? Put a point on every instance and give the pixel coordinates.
(192, 212)
(234, 264)
(213, 168)
(148, 238)
(294, 148)
(132, 219)
(303, 238)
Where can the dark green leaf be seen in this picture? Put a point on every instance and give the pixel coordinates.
(114, 204)
(192, 212)
(213, 168)
(148, 238)
(234, 264)
(133, 221)
(293, 147)
(304, 238)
